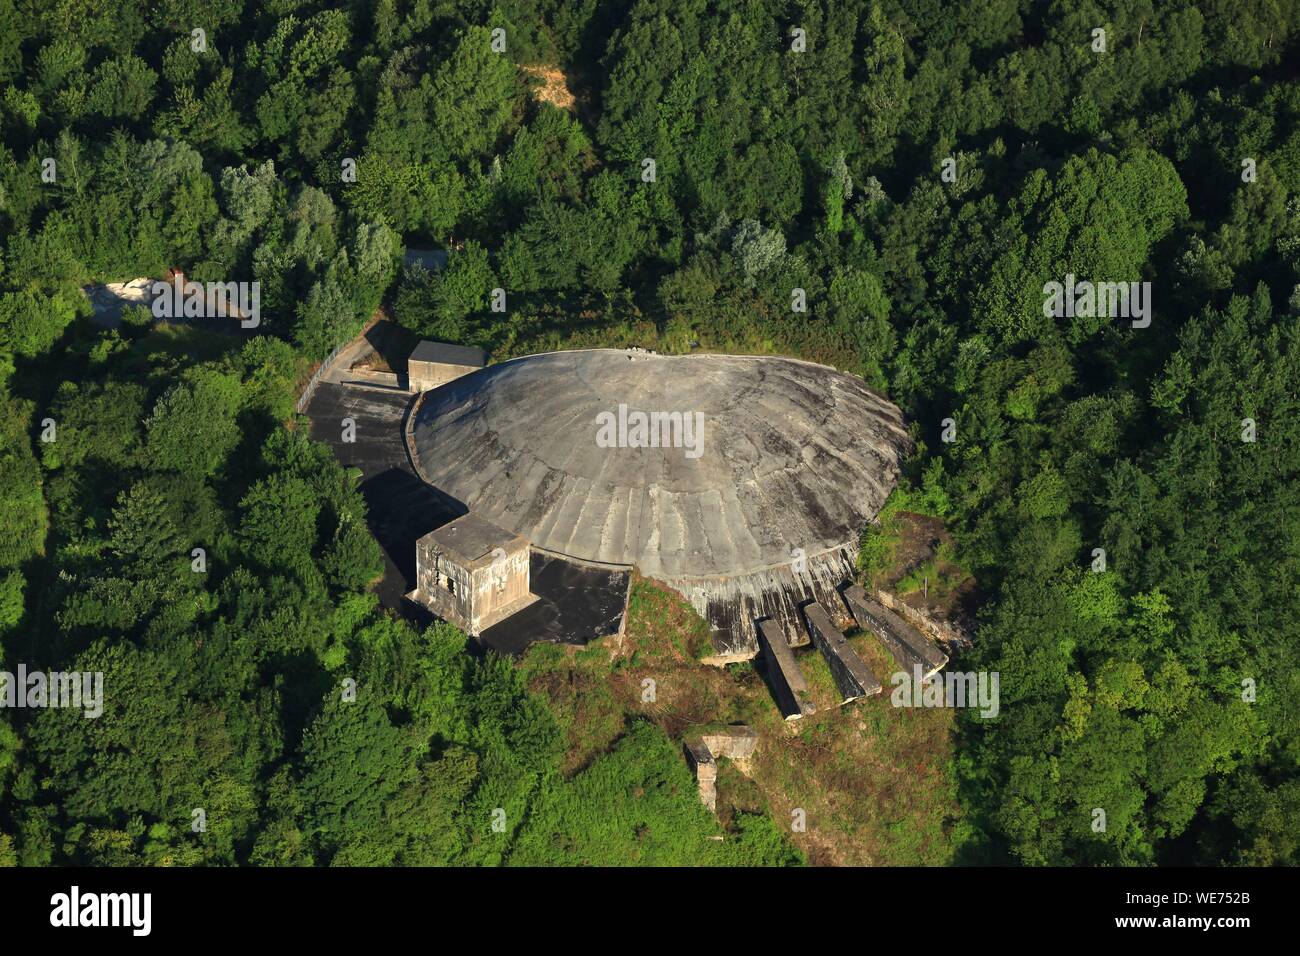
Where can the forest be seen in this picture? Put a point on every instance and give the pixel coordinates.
(1127, 498)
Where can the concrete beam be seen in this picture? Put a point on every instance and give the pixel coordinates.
(706, 772)
(852, 676)
(909, 646)
(788, 684)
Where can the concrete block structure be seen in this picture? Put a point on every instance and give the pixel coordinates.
(909, 646)
(472, 573)
(753, 513)
(788, 684)
(436, 363)
(737, 742)
(852, 676)
(705, 769)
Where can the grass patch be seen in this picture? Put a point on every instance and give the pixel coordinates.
(581, 695)
(910, 553)
(873, 781)
(667, 628)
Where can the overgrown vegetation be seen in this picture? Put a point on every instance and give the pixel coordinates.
(842, 767)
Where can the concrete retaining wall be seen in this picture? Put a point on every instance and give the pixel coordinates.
(944, 632)
(852, 676)
(788, 684)
(909, 646)
(706, 773)
(734, 743)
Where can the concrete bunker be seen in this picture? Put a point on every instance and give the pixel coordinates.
(432, 364)
(472, 573)
(752, 522)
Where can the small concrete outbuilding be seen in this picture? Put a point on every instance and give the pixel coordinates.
(472, 573)
(436, 363)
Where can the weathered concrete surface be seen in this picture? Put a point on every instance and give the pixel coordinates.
(788, 684)
(909, 646)
(576, 604)
(759, 516)
(737, 742)
(705, 768)
(852, 676)
(793, 456)
(731, 605)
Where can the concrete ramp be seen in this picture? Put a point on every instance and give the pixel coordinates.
(852, 676)
(909, 646)
(788, 684)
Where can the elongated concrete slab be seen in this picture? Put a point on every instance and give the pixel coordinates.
(788, 684)
(852, 676)
(909, 646)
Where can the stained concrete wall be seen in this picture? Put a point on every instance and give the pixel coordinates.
(442, 586)
(706, 773)
(479, 596)
(908, 645)
(499, 589)
(788, 684)
(734, 743)
(852, 676)
(732, 604)
(423, 376)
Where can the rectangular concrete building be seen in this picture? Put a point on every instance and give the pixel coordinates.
(472, 573)
(436, 363)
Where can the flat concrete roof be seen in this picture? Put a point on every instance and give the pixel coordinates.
(470, 538)
(447, 354)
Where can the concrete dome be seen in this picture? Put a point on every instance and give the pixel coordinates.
(793, 456)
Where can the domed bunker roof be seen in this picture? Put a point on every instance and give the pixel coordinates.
(792, 455)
